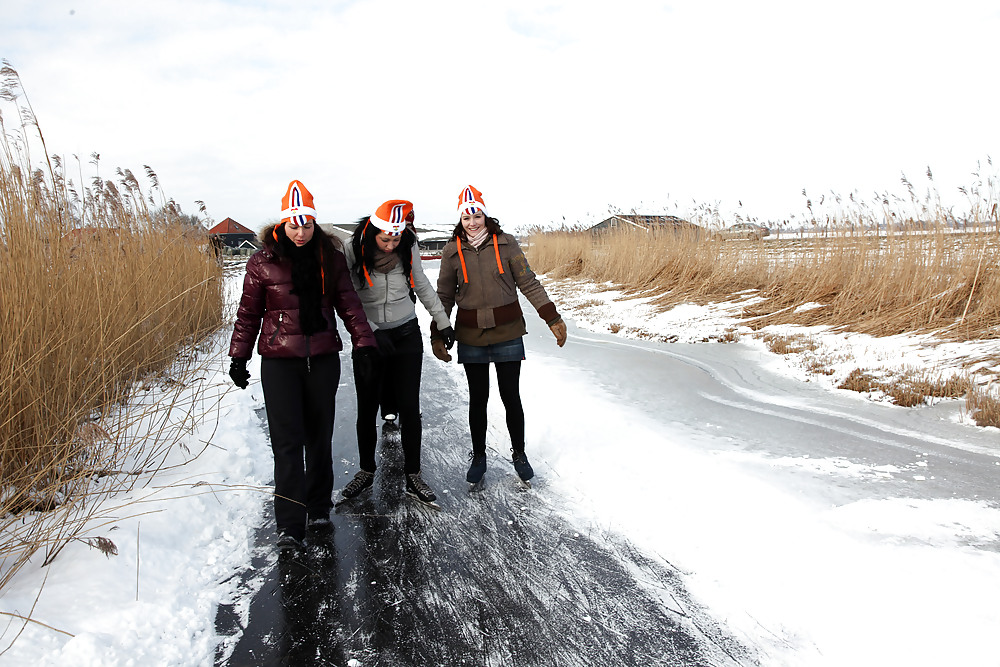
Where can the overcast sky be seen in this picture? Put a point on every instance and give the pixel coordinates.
(551, 109)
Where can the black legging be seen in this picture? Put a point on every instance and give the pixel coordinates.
(399, 372)
(508, 381)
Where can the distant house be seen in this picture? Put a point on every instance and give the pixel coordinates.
(645, 222)
(341, 230)
(233, 236)
(431, 245)
(429, 241)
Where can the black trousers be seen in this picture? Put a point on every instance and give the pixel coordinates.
(388, 401)
(398, 373)
(509, 383)
(300, 400)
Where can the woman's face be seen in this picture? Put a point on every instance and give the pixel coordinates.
(300, 234)
(473, 223)
(386, 242)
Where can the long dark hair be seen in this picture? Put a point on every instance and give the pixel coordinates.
(492, 226)
(364, 247)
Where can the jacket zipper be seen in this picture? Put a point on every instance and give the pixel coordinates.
(281, 317)
(385, 300)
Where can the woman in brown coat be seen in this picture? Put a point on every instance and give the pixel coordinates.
(482, 269)
(292, 288)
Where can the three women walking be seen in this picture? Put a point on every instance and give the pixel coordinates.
(302, 277)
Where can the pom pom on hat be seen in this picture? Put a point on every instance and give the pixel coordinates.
(471, 200)
(391, 216)
(297, 205)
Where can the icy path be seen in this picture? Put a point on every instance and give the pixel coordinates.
(498, 577)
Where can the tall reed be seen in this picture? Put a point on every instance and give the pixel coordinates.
(97, 292)
(874, 270)
(906, 280)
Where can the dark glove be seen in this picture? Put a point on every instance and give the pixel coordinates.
(448, 336)
(239, 373)
(384, 340)
(365, 365)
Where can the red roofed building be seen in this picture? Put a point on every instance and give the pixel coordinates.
(234, 236)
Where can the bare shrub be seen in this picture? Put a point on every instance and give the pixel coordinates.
(910, 388)
(794, 344)
(938, 387)
(858, 380)
(983, 406)
(729, 336)
(906, 395)
(98, 291)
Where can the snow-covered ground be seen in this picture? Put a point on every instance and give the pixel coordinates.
(906, 579)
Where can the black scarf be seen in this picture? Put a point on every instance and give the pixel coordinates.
(307, 285)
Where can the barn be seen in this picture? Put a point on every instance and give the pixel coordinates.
(646, 223)
(233, 237)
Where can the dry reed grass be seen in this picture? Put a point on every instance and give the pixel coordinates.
(983, 406)
(865, 268)
(98, 291)
(913, 387)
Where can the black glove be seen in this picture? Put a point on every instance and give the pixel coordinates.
(384, 340)
(365, 365)
(448, 336)
(239, 373)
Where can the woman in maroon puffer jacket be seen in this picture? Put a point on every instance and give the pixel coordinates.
(291, 290)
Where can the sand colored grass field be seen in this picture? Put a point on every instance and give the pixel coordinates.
(927, 278)
(102, 286)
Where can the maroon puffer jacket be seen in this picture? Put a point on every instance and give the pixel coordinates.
(268, 308)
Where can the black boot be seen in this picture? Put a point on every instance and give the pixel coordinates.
(477, 469)
(521, 465)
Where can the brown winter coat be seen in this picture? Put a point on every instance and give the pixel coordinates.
(488, 308)
(268, 308)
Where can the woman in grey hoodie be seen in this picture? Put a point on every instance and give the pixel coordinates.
(384, 262)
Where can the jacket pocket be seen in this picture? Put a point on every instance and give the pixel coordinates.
(507, 287)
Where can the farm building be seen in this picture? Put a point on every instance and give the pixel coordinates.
(340, 230)
(429, 241)
(233, 237)
(432, 244)
(645, 222)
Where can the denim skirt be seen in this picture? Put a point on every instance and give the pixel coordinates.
(511, 350)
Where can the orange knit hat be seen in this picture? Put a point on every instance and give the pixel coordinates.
(297, 205)
(471, 200)
(391, 216)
